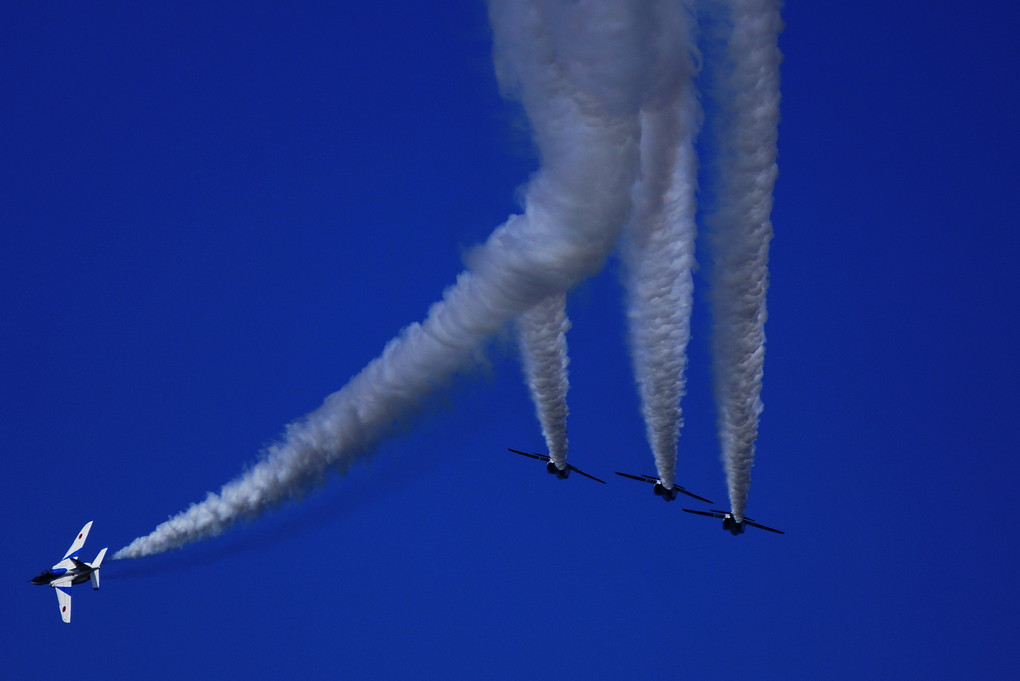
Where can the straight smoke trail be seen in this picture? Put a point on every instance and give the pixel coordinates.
(583, 72)
(746, 90)
(542, 338)
(660, 290)
(658, 249)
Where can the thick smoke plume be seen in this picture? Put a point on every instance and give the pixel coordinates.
(542, 337)
(746, 93)
(658, 246)
(583, 72)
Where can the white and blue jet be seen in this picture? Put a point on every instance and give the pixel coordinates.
(71, 571)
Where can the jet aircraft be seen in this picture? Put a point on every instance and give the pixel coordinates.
(668, 494)
(553, 469)
(70, 571)
(730, 523)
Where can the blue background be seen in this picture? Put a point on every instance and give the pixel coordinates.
(213, 216)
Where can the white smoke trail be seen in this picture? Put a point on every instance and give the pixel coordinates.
(583, 72)
(747, 93)
(542, 337)
(660, 257)
(658, 248)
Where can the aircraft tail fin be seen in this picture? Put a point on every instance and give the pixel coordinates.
(94, 576)
(99, 557)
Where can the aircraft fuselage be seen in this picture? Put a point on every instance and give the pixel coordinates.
(79, 574)
(730, 524)
(553, 470)
(666, 494)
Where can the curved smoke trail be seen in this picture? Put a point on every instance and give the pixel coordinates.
(658, 248)
(583, 72)
(747, 92)
(542, 337)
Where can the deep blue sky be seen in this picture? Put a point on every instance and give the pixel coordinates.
(213, 217)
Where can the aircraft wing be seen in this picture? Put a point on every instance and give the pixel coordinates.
(79, 541)
(678, 488)
(763, 527)
(642, 478)
(540, 457)
(64, 601)
(710, 514)
(580, 472)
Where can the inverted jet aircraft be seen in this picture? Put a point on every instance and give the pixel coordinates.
(730, 523)
(667, 493)
(70, 571)
(553, 469)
